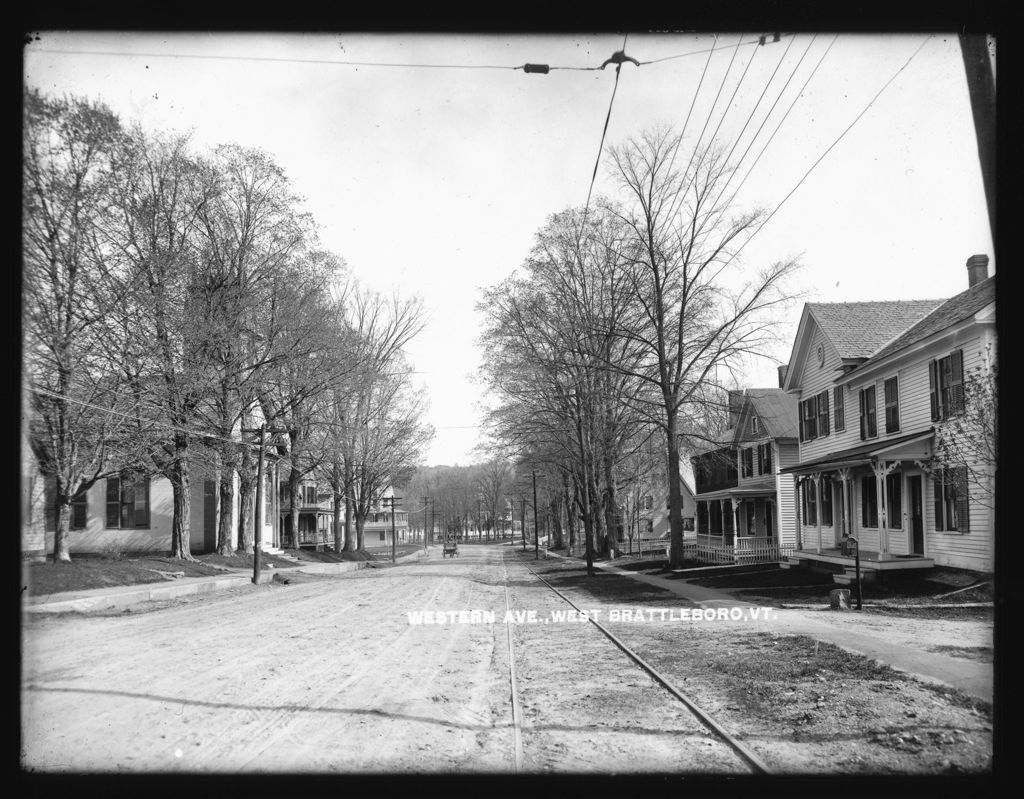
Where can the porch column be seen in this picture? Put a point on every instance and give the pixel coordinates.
(844, 479)
(881, 469)
(816, 477)
(735, 503)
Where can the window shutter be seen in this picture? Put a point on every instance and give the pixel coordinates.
(863, 416)
(933, 388)
(803, 436)
(957, 388)
(937, 491)
(823, 413)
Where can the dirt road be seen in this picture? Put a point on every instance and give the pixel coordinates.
(331, 675)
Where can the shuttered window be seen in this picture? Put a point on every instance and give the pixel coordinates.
(839, 401)
(868, 501)
(946, 385)
(748, 462)
(826, 502)
(821, 400)
(892, 405)
(810, 503)
(809, 419)
(764, 458)
(894, 501)
(868, 421)
(951, 502)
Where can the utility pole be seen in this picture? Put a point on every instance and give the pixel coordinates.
(391, 500)
(536, 526)
(425, 501)
(257, 527)
(479, 527)
(522, 519)
(981, 86)
(431, 521)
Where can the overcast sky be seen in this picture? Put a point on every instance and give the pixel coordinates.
(434, 180)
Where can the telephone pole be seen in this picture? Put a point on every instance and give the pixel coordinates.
(391, 500)
(522, 519)
(536, 527)
(257, 527)
(425, 501)
(981, 86)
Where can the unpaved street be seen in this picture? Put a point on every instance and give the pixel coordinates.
(329, 675)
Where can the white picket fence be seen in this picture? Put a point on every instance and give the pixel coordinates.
(743, 550)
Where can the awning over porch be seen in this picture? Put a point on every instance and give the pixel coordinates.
(762, 488)
(913, 446)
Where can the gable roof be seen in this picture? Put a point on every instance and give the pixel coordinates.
(776, 409)
(956, 309)
(858, 329)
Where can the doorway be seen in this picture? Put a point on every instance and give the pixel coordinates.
(916, 515)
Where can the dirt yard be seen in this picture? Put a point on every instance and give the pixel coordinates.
(329, 675)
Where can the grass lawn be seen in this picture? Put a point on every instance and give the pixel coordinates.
(329, 555)
(86, 572)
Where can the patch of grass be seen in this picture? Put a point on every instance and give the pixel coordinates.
(86, 573)
(766, 579)
(384, 553)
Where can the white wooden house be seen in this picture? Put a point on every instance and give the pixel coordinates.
(743, 499)
(872, 380)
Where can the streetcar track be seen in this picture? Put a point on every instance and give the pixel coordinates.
(750, 759)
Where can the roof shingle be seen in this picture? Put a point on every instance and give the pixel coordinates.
(858, 329)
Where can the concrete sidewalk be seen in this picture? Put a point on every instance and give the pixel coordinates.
(970, 676)
(123, 596)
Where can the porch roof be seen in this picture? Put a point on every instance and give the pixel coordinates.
(762, 488)
(899, 448)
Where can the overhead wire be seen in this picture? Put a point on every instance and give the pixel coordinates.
(830, 148)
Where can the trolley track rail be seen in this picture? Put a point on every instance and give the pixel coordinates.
(749, 758)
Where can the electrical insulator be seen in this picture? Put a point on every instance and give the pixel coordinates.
(541, 68)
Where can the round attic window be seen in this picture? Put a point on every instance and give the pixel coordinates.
(821, 355)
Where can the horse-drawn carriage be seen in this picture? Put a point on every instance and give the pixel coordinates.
(451, 547)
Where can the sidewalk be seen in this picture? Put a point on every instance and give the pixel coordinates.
(970, 676)
(123, 596)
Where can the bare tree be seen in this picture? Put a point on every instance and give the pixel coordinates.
(697, 309)
(67, 147)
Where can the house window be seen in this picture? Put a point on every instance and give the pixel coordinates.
(868, 422)
(79, 510)
(647, 502)
(127, 502)
(764, 458)
(383, 535)
(755, 425)
(868, 501)
(748, 462)
(894, 501)
(826, 502)
(308, 494)
(892, 405)
(839, 401)
(821, 400)
(946, 384)
(648, 525)
(809, 419)
(810, 502)
(951, 506)
(688, 523)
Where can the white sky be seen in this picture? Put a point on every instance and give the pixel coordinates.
(433, 181)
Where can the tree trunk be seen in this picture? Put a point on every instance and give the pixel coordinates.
(351, 544)
(226, 496)
(675, 515)
(339, 524)
(611, 542)
(246, 517)
(293, 507)
(61, 546)
(556, 523)
(360, 519)
(181, 520)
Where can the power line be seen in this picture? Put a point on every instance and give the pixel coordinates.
(830, 148)
(604, 131)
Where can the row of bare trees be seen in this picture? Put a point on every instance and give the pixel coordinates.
(624, 329)
(173, 299)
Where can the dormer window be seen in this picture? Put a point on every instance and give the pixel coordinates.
(755, 425)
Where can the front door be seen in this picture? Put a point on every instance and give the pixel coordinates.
(916, 515)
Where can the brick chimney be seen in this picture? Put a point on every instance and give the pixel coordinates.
(783, 370)
(977, 269)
